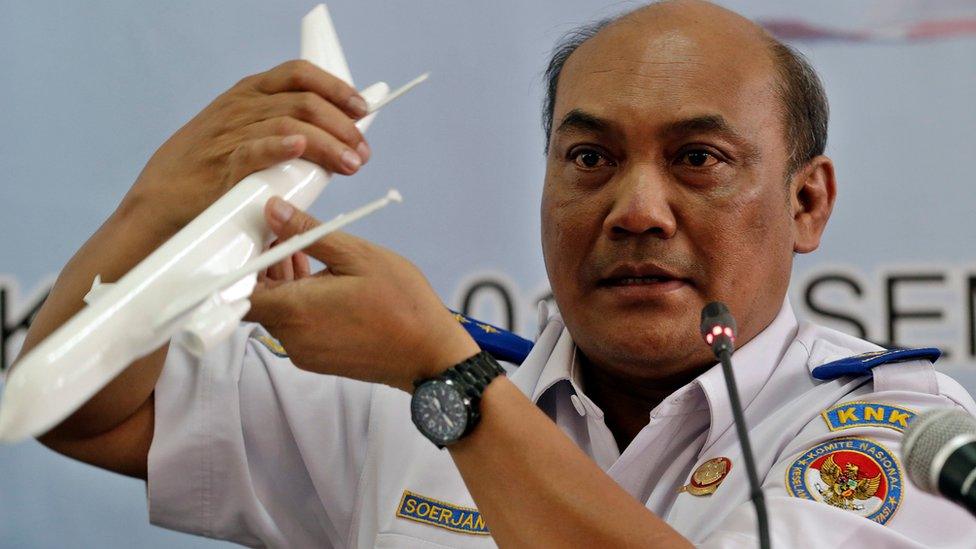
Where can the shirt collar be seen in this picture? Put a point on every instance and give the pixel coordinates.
(561, 366)
(752, 365)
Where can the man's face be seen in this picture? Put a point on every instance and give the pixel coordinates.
(665, 189)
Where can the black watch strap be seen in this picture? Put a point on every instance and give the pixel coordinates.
(474, 374)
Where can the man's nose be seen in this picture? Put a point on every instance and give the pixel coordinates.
(641, 205)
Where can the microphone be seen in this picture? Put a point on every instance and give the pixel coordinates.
(940, 455)
(718, 329)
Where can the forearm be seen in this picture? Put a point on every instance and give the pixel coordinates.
(536, 488)
(118, 245)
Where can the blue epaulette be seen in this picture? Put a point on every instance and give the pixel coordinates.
(859, 365)
(499, 343)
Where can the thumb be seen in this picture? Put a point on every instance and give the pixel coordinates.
(338, 250)
(286, 220)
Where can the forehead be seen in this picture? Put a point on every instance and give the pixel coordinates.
(645, 72)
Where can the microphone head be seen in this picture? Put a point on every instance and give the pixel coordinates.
(717, 326)
(716, 313)
(926, 440)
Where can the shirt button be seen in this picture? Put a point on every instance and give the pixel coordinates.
(578, 404)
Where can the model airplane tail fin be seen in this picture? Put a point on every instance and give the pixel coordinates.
(320, 43)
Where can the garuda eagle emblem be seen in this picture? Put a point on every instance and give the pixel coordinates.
(845, 487)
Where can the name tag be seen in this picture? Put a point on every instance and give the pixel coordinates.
(441, 514)
(858, 414)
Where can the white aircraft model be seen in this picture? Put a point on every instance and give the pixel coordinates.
(196, 285)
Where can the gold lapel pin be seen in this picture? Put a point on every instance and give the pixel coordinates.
(707, 477)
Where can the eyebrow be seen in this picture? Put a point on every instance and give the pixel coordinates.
(577, 119)
(715, 124)
(712, 123)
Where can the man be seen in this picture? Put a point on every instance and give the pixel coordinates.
(684, 164)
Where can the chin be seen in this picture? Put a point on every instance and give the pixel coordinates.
(637, 348)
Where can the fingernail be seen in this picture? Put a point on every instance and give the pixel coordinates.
(291, 141)
(357, 105)
(363, 150)
(351, 160)
(281, 211)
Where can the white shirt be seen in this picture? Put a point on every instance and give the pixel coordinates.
(250, 449)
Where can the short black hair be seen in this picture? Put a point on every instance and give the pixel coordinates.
(565, 46)
(804, 102)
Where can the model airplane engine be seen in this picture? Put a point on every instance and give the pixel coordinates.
(215, 320)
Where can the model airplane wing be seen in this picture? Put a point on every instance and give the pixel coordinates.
(198, 282)
(233, 289)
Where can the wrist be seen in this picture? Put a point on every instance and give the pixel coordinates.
(448, 407)
(449, 349)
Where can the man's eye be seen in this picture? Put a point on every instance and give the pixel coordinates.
(588, 159)
(698, 159)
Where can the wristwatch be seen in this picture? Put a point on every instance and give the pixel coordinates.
(446, 408)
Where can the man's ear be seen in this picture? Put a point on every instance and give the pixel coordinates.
(812, 193)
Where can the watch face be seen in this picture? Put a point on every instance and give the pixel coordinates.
(439, 411)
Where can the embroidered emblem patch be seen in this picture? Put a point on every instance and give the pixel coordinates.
(441, 514)
(855, 474)
(856, 414)
(707, 477)
(272, 345)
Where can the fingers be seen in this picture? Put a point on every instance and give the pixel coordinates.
(304, 76)
(282, 270)
(310, 107)
(338, 250)
(322, 148)
(299, 98)
(295, 267)
(258, 154)
(265, 283)
(301, 266)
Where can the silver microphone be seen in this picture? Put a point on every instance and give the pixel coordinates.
(940, 454)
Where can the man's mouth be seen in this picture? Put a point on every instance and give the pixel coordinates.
(635, 280)
(642, 281)
(636, 274)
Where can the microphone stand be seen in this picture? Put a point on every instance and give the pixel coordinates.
(719, 330)
(758, 500)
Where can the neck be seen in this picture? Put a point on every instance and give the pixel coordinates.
(627, 401)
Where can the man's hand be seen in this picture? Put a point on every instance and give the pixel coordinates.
(292, 110)
(370, 315)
